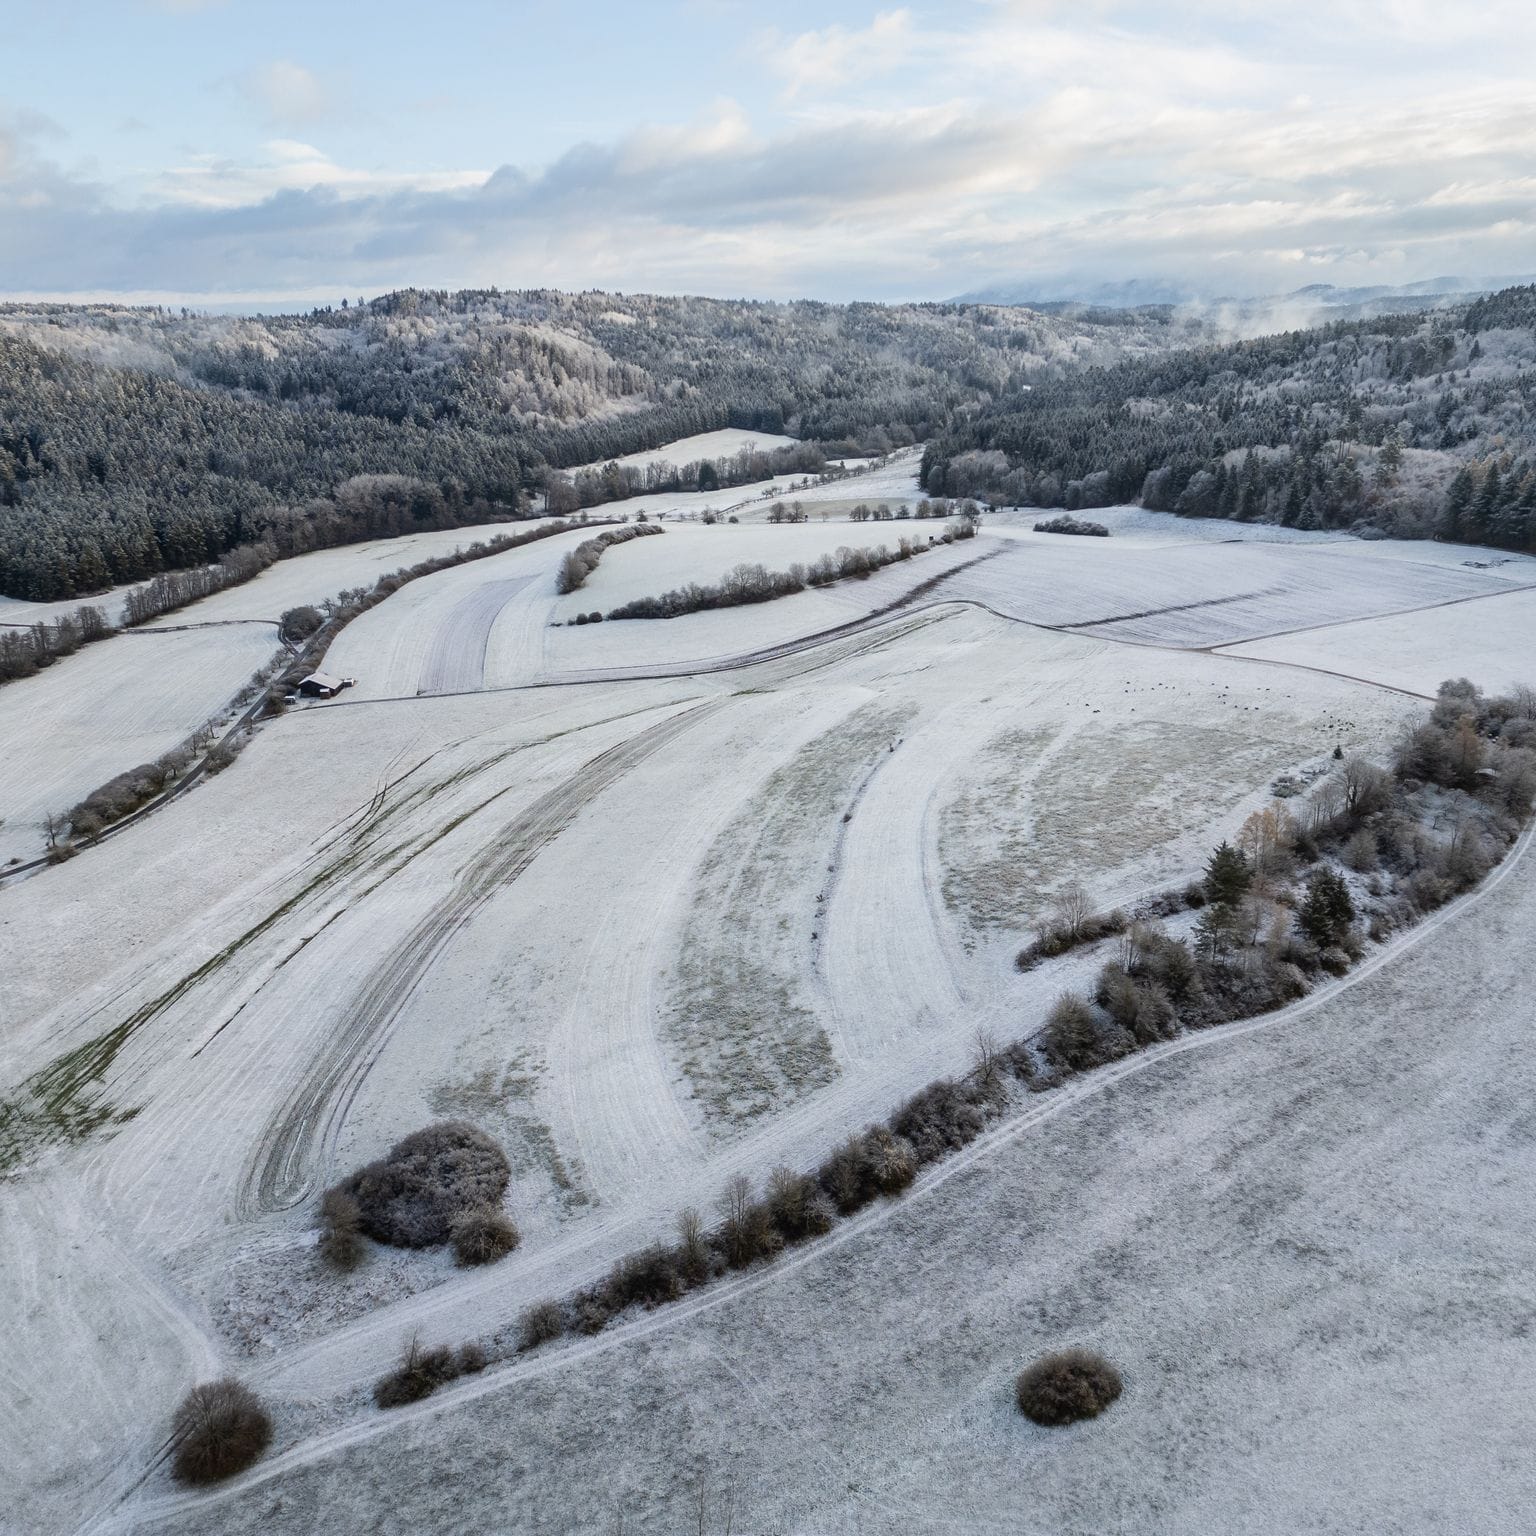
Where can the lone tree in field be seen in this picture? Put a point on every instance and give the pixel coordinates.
(1062, 1388)
(219, 1429)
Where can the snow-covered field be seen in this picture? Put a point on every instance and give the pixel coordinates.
(108, 708)
(658, 902)
(724, 444)
(1492, 641)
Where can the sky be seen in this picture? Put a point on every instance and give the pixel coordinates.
(231, 150)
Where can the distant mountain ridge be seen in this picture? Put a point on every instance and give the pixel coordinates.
(1056, 296)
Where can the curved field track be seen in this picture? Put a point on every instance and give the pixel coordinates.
(456, 662)
(283, 1174)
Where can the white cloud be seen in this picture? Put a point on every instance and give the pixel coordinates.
(288, 93)
(290, 166)
(833, 55)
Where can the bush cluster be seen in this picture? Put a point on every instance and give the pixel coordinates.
(1066, 523)
(1065, 1387)
(754, 583)
(1070, 923)
(220, 1428)
(422, 1371)
(412, 1197)
(123, 794)
(582, 561)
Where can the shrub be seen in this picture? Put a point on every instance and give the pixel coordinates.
(747, 1232)
(540, 1323)
(649, 1277)
(300, 623)
(797, 1206)
(943, 1117)
(410, 1197)
(341, 1241)
(693, 1251)
(482, 1235)
(420, 1373)
(220, 1429)
(1074, 1039)
(472, 1359)
(1065, 1387)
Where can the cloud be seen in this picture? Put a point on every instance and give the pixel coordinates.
(289, 94)
(926, 152)
(287, 165)
(831, 56)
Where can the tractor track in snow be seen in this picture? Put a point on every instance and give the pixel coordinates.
(283, 1171)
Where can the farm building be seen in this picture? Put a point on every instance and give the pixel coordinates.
(321, 685)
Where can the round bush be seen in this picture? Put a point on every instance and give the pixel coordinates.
(483, 1235)
(1062, 1388)
(411, 1197)
(219, 1430)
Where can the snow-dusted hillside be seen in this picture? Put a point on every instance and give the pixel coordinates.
(657, 902)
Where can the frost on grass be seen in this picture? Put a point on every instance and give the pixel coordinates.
(1017, 827)
(501, 1094)
(746, 1034)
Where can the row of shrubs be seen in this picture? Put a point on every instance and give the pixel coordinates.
(583, 560)
(127, 792)
(754, 583)
(26, 649)
(175, 589)
(879, 1162)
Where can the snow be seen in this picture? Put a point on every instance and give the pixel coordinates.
(1303, 1242)
(1492, 641)
(660, 902)
(724, 444)
(109, 707)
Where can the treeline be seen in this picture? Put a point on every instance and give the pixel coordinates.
(1409, 424)
(175, 589)
(26, 648)
(752, 582)
(135, 441)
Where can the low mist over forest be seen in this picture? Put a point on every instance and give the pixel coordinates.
(139, 440)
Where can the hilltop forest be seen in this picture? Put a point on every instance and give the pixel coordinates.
(1411, 425)
(138, 440)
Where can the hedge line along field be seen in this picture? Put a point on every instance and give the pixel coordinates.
(538, 909)
(109, 707)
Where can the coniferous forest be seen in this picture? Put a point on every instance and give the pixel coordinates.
(134, 441)
(1411, 424)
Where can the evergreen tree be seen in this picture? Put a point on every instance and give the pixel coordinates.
(1327, 912)
(1227, 876)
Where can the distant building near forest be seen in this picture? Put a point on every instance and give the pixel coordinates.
(321, 685)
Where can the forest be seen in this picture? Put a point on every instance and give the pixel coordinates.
(139, 440)
(1411, 425)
